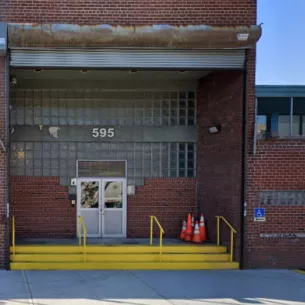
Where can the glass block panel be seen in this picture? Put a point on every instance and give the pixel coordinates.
(181, 173)
(191, 104)
(174, 112)
(173, 173)
(190, 173)
(165, 121)
(174, 104)
(174, 121)
(182, 121)
(190, 147)
(181, 163)
(46, 171)
(37, 163)
(182, 94)
(182, 103)
(191, 95)
(37, 172)
(190, 121)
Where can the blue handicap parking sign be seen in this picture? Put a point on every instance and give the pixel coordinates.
(259, 214)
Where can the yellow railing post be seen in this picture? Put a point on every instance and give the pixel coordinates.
(154, 218)
(232, 245)
(161, 242)
(79, 232)
(218, 231)
(151, 230)
(233, 231)
(13, 236)
(83, 226)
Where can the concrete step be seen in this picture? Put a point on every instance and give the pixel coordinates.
(140, 257)
(61, 249)
(125, 266)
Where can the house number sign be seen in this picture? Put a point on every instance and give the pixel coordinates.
(103, 132)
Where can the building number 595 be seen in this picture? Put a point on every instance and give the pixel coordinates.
(103, 132)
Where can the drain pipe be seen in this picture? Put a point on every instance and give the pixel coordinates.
(244, 161)
(7, 168)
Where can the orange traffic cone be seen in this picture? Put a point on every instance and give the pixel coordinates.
(196, 238)
(202, 229)
(183, 232)
(189, 231)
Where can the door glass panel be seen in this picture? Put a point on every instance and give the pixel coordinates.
(89, 194)
(113, 194)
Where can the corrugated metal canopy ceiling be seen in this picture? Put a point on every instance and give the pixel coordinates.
(127, 58)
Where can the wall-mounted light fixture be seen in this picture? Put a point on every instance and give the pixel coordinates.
(13, 80)
(133, 71)
(215, 129)
(2, 146)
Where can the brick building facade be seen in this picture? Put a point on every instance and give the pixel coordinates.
(3, 163)
(227, 173)
(275, 180)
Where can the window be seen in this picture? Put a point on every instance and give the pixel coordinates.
(284, 197)
(101, 169)
(280, 117)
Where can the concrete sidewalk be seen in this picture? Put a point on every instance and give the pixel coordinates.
(151, 287)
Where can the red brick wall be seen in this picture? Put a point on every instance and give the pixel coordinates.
(2, 167)
(277, 165)
(169, 199)
(41, 207)
(179, 12)
(135, 12)
(219, 156)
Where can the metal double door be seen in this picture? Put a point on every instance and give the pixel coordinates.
(102, 204)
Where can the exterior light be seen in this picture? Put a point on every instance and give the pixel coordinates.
(133, 71)
(84, 71)
(242, 36)
(37, 70)
(215, 129)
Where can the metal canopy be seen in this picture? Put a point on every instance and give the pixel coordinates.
(127, 58)
(199, 36)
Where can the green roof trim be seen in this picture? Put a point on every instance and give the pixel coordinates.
(279, 91)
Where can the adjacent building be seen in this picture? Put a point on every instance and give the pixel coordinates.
(275, 179)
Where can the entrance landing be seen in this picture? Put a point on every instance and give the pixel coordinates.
(97, 241)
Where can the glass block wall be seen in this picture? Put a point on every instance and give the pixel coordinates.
(143, 159)
(70, 108)
(89, 107)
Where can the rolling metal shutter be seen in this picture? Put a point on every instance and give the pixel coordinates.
(127, 58)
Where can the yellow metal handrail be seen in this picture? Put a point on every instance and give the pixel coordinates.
(233, 231)
(82, 228)
(152, 219)
(13, 237)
